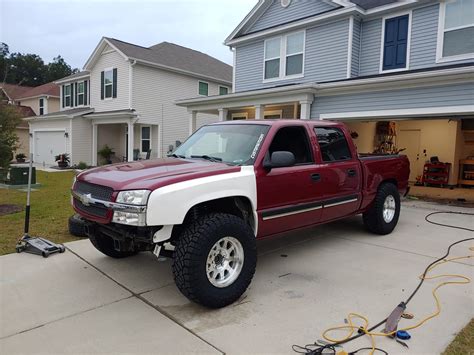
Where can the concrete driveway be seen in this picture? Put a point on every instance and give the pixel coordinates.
(84, 302)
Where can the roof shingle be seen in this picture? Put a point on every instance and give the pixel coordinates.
(14, 91)
(49, 89)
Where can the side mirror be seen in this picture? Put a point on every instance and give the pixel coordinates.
(280, 159)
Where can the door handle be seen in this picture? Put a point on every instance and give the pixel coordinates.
(315, 177)
(351, 172)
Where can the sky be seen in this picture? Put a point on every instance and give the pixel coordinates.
(73, 28)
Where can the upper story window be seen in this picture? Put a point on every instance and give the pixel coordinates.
(456, 30)
(395, 43)
(108, 83)
(223, 90)
(203, 88)
(146, 139)
(41, 106)
(67, 95)
(80, 93)
(284, 56)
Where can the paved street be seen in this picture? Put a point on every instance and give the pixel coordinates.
(84, 302)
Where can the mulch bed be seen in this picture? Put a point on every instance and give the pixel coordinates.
(9, 209)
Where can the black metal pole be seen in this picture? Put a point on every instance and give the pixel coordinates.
(27, 210)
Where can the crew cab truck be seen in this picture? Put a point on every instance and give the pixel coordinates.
(229, 184)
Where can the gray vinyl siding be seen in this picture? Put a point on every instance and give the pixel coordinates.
(277, 15)
(422, 97)
(325, 58)
(370, 47)
(356, 48)
(81, 140)
(424, 38)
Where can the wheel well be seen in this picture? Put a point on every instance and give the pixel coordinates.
(389, 181)
(239, 206)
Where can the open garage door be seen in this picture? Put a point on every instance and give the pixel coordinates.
(48, 144)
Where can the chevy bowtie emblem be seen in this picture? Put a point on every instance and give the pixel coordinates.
(86, 199)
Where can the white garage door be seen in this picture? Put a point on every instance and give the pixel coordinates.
(48, 144)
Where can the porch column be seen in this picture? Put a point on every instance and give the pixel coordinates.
(259, 112)
(305, 110)
(192, 122)
(223, 114)
(94, 144)
(131, 137)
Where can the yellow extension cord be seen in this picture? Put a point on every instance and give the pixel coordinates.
(351, 327)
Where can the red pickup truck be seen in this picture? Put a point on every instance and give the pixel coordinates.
(229, 184)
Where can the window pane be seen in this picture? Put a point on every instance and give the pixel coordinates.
(145, 145)
(459, 13)
(80, 99)
(223, 90)
(294, 43)
(292, 139)
(333, 144)
(294, 64)
(80, 88)
(272, 48)
(145, 132)
(203, 88)
(458, 42)
(41, 111)
(108, 77)
(41, 102)
(68, 101)
(67, 90)
(108, 91)
(272, 68)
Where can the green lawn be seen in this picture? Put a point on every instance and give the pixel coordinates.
(50, 210)
(463, 344)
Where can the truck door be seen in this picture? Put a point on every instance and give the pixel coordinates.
(289, 197)
(340, 173)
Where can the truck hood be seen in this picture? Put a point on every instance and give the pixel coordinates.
(153, 174)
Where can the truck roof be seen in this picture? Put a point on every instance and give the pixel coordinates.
(279, 122)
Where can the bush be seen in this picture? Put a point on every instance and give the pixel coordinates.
(9, 119)
(81, 165)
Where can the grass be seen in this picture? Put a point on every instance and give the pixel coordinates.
(463, 344)
(50, 210)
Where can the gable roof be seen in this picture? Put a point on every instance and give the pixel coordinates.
(169, 56)
(48, 89)
(13, 91)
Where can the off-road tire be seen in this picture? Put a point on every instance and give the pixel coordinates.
(190, 258)
(76, 226)
(105, 245)
(373, 218)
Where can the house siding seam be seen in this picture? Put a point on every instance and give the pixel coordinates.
(81, 140)
(156, 106)
(325, 58)
(371, 33)
(357, 27)
(277, 15)
(425, 97)
(111, 59)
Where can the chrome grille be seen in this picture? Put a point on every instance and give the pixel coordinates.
(103, 193)
(94, 210)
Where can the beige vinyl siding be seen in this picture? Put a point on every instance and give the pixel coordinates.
(52, 104)
(23, 141)
(81, 140)
(154, 93)
(110, 59)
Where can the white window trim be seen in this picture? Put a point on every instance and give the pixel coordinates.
(141, 137)
(440, 40)
(83, 93)
(240, 114)
(44, 107)
(282, 57)
(223, 86)
(272, 113)
(204, 82)
(407, 61)
(112, 70)
(70, 95)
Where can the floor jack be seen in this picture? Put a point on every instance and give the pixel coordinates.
(35, 245)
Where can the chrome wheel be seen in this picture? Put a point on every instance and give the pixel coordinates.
(389, 207)
(224, 262)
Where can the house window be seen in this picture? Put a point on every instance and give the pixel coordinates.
(41, 107)
(240, 116)
(284, 56)
(396, 37)
(203, 88)
(223, 90)
(108, 83)
(456, 30)
(67, 95)
(80, 94)
(146, 139)
(271, 115)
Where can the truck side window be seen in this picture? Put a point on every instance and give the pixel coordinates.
(333, 144)
(293, 139)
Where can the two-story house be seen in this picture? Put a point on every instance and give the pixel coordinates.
(361, 62)
(124, 98)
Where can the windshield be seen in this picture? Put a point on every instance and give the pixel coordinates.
(232, 144)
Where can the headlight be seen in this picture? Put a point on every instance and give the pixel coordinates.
(133, 197)
(131, 219)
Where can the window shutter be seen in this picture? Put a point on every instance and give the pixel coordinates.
(101, 85)
(75, 93)
(62, 95)
(114, 92)
(395, 43)
(72, 95)
(85, 92)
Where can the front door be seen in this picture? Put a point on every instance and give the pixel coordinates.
(409, 139)
(289, 197)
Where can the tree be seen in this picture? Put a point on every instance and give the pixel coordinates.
(9, 120)
(4, 52)
(58, 69)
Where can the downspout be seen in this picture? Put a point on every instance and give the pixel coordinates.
(234, 60)
(130, 83)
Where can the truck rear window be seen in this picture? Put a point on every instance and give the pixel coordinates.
(332, 143)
